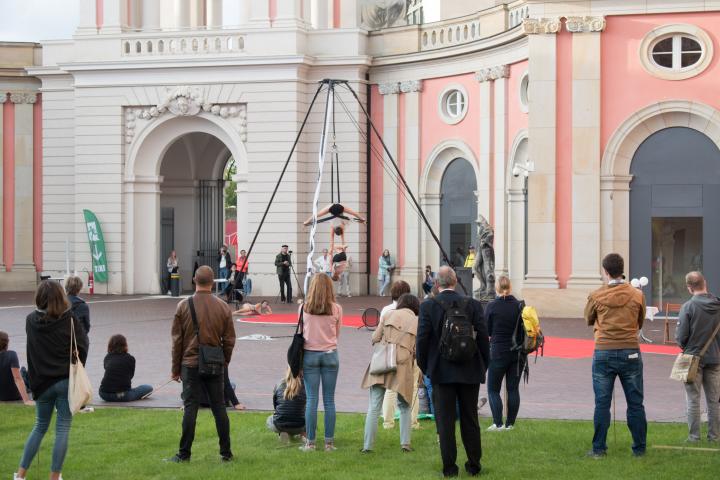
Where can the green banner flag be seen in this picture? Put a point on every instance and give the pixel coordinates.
(97, 247)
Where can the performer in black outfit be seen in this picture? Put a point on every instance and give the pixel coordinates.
(282, 267)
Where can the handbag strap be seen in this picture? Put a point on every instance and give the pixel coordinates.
(73, 341)
(300, 325)
(710, 340)
(193, 315)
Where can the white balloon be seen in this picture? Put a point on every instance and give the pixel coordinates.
(635, 283)
(643, 281)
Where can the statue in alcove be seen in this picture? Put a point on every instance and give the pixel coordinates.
(484, 266)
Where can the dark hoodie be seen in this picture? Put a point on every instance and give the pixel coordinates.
(81, 311)
(48, 349)
(696, 322)
(616, 312)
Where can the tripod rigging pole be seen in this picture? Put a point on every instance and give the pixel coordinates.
(402, 179)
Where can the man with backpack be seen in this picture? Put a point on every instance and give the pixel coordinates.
(453, 349)
(616, 311)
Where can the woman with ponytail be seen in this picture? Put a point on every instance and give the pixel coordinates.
(289, 407)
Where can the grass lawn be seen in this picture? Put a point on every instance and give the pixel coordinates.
(120, 443)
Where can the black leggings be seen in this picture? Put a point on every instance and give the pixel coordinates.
(505, 366)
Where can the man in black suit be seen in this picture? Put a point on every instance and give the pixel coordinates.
(453, 382)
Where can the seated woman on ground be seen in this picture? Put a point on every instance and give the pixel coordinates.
(13, 383)
(336, 210)
(262, 308)
(119, 371)
(289, 408)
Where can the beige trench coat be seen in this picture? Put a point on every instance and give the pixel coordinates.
(398, 327)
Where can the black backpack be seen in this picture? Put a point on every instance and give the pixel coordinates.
(457, 337)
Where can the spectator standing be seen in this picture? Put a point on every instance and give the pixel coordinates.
(398, 327)
(289, 399)
(215, 328)
(48, 332)
(116, 385)
(224, 260)
(12, 381)
(232, 280)
(470, 259)
(345, 276)
(429, 281)
(502, 316)
(282, 268)
(385, 269)
(172, 267)
(322, 319)
(616, 311)
(455, 384)
(242, 268)
(80, 309)
(697, 321)
(323, 263)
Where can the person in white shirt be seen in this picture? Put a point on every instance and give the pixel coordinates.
(345, 276)
(323, 263)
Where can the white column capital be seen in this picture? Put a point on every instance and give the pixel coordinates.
(493, 73)
(615, 182)
(389, 88)
(534, 26)
(585, 24)
(410, 86)
(3, 98)
(22, 97)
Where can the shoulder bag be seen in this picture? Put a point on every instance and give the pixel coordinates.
(211, 359)
(384, 357)
(79, 387)
(686, 366)
(297, 347)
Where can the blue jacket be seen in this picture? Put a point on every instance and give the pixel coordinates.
(428, 344)
(502, 316)
(81, 311)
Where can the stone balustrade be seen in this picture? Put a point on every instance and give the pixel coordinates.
(180, 43)
(448, 33)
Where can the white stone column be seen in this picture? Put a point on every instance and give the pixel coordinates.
(23, 254)
(150, 15)
(288, 13)
(214, 15)
(411, 269)
(319, 13)
(198, 14)
(615, 221)
(542, 151)
(430, 203)
(87, 23)
(114, 16)
(244, 12)
(516, 234)
(142, 203)
(483, 180)
(259, 13)
(3, 99)
(585, 150)
(349, 14)
(390, 91)
(181, 10)
(242, 196)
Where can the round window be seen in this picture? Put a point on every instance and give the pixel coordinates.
(676, 52)
(525, 93)
(453, 104)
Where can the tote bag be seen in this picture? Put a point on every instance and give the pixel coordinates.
(297, 348)
(79, 387)
(686, 366)
(384, 358)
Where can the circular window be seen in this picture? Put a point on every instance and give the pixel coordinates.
(525, 92)
(676, 52)
(453, 104)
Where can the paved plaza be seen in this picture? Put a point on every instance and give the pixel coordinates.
(558, 388)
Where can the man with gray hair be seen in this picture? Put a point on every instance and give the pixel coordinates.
(455, 379)
(697, 322)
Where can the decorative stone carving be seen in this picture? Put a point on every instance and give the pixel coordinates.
(377, 14)
(185, 101)
(3, 98)
(493, 73)
(484, 266)
(585, 24)
(532, 26)
(389, 88)
(23, 97)
(410, 86)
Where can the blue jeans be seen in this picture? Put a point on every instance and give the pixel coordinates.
(508, 367)
(429, 390)
(626, 364)
(55, 397)
(222, 273)
(384, 279)
(377, 393)
(130, 396)
(320, 367)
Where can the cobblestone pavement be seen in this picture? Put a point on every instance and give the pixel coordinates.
(558, 388)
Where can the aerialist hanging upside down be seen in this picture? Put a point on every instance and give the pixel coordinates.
(339, 257)
(336, 210)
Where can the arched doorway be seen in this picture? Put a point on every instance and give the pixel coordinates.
(192, 202)
(458, 208)
(674, 219)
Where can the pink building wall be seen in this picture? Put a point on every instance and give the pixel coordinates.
(626, 87)
(517, 120)
(376, 180)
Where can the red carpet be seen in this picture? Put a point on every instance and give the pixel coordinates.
(555, 347)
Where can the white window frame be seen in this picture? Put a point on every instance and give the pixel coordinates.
(444, 104)
(676, 32)
(524, 92)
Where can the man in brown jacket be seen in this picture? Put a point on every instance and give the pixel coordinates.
(616, 311)
(216, 328)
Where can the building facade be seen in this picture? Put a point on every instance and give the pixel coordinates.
(575, 128)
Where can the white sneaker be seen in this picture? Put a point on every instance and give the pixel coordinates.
(509, 427)
(15, 477)
(495, 428)
(349, 295)
(87, 410)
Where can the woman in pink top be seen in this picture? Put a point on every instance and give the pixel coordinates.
(322, 318)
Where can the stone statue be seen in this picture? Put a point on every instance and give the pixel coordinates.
(484, 266)
(377, 14)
